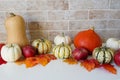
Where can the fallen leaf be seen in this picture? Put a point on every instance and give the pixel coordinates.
(90, 64)
(42, 59)
(20, 61)
(2, 61)
(30, 62)
(109, 68)
(71, 61)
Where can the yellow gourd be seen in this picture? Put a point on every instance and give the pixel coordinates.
(15, 27)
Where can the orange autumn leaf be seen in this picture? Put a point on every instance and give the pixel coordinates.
(43, 61)
(30, 62)
(49, 57)
(70, 61)
(90, 64)
(20, 62)
(109, 68)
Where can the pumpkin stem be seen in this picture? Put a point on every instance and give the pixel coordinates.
(42, 40)
(12, 14)
(92, 28)
(11, 45)
(63, 44)
(104, 47)
(63, 34)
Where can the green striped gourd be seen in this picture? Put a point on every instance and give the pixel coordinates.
(42, 45)
(103, 54)
(62, 51)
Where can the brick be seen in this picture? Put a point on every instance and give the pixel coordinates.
(115, 4)
(89, 4)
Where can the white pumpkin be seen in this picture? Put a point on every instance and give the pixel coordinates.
(42, 45)
(11, 52)
(62, 51)
(62, 38)
(113, 43)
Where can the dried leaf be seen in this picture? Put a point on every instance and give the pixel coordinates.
(20, 61)
(51, 56)
(43, 61)
(30, 62)
(2, 61)
(90, 64)
(97, 64)
(70, 61)
(109, 68)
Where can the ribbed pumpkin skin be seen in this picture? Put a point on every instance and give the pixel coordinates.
(42, 45)
(88, 39)
(15, 27)
(11, 52)
(62, 38)
(103, 54)
(62, 51)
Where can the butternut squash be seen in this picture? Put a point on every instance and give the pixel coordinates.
(15, 27)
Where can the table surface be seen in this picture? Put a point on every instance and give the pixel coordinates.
(55, 70)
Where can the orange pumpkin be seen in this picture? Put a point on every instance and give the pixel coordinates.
(88, 39)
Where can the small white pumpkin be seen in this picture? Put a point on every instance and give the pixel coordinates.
(62, 38)
(103, 54)
(113, 43)
(11, 52)
(62, 51)
(42, 45)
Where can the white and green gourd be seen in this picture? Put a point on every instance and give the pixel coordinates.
(103, 54)
(43, 46)
(62, 51)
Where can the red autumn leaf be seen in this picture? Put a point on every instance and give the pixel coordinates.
(109, 68)
(90, 64)
(97, 64)
(51, 56)
(2, 61)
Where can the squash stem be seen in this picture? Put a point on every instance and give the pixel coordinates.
(12, 14)
(42, 40)
(62, 43)
(63, 34)
(104, 47)
(92, 28)
(10, 45)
